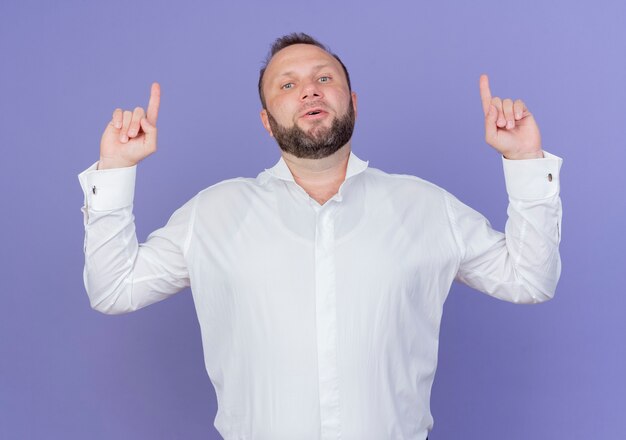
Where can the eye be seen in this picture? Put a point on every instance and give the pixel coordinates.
(287, 86)
(324, 79)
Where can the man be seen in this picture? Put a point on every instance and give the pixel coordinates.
(319, 285)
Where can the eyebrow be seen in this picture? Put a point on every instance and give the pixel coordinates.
(315, 69)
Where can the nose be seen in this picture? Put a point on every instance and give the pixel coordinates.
(311, 91)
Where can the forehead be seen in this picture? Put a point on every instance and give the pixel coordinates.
(299, 58)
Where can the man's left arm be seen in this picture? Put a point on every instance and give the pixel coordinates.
(522, 265)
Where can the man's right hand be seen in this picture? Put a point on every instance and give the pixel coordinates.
(130, 136)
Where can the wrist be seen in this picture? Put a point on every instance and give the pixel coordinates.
(108, 163)
(525, 155)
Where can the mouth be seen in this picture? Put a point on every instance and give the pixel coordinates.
(314, 113)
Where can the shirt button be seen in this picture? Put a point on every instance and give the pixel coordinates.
(93, 190)
(549, 177)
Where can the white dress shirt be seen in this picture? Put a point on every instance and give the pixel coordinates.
(322, 321)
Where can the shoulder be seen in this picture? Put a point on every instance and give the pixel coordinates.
(234, 196)
(402, 185)
(237, 188)
(228, 188)
(225, 204)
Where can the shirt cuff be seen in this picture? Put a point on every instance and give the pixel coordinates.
(533, 179)
(106, 190)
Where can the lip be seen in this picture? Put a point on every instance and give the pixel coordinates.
(320, 113)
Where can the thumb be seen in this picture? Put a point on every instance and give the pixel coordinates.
(150, 131)
(491, 129)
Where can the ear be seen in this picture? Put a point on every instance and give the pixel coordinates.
(354, 104)
(266, 122)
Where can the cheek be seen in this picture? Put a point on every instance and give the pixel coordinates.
(283, 111)
(340, 99)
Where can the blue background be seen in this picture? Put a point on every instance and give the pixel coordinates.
(552, 371)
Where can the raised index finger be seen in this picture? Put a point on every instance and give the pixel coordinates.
(485, 93)
(152, 113)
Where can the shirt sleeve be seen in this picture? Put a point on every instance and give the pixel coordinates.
(121, 275)
(523, 264)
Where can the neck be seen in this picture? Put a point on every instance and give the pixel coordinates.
(320, 178)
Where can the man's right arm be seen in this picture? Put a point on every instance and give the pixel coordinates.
(120, 274)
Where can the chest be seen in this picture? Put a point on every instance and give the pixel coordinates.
(280, 249)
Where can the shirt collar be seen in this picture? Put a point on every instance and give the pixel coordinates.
(282, 171)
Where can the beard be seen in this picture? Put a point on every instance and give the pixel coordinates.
(319, 141)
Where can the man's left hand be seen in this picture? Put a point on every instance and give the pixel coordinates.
(509, 127)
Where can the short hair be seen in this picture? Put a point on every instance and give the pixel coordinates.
(289, 40)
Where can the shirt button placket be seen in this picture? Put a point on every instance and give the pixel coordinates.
(326, 320)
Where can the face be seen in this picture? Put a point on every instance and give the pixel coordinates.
(310, 110)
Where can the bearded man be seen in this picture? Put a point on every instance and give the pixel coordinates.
(319, 284)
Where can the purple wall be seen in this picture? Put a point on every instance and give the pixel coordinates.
(552, 371)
